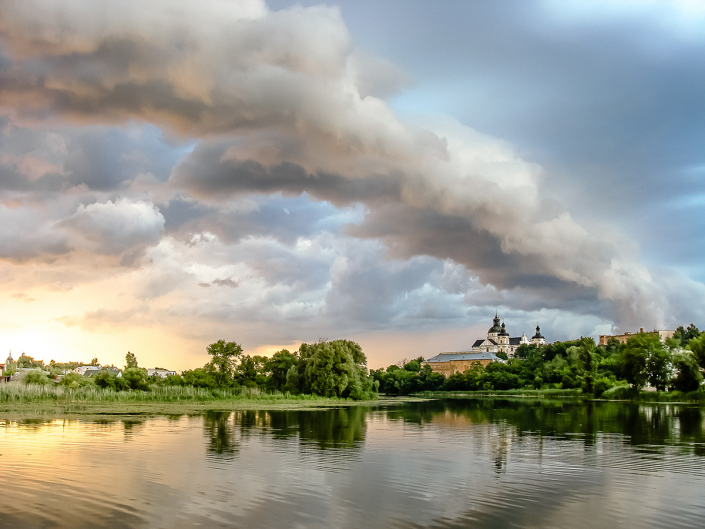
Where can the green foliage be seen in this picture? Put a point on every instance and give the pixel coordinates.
(199, 378)
(688, 376)
(36, 376)
(697, 346)
(173, 380)
(25, 361)
(130, 360)
(75, 380)
(107, 379)
(685, 335)
(645, 360)
(334, 369)
(278, 366)
(252, 371)
(414, 366)
(135, 378)
(224, 356)
(620, 392)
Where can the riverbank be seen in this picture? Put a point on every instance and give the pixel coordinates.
(674, 397)
(26, 401)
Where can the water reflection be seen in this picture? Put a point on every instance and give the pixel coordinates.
(443, 464)
(652, 424)
(340, 428)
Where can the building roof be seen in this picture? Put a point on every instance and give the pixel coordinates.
(515, 341)
(538, 333)
(447, 357)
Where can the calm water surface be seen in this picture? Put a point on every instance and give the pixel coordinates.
(471, 463)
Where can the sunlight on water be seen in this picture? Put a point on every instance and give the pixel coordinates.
(454, 464)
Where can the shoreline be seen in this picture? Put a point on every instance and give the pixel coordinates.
(86, 410)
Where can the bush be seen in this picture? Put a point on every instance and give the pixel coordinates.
(135, 378)
(601, 385)
(74, 381)
(621, 392)
(36, 376)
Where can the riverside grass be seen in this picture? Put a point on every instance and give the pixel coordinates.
(20, 400)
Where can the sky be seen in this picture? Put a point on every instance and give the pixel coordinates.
(173, 173)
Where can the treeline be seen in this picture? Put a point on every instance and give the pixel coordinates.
(329, 369)
(613, 371)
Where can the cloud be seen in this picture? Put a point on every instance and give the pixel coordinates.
(108, 320)
(113, 228)
(281, 105)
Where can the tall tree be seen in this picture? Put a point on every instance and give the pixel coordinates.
(130, 360)
(224, 356)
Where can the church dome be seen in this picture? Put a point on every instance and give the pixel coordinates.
(495, 328)
(503, 332)
(538, 336)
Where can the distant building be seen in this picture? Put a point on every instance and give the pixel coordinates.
(86, 370)
(450, 363)
(483, 351)
(622, 338)
(499, 341)
(163, 373)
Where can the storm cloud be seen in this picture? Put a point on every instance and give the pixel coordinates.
(228, 144)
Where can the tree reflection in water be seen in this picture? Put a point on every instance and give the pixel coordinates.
(340, 428)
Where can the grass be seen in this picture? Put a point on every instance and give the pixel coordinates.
(18, 399)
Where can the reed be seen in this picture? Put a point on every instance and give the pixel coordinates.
(18, 393)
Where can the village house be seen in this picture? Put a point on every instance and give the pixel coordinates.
(160, 372)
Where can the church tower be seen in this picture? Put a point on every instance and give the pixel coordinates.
(537, 338)
(495, 330)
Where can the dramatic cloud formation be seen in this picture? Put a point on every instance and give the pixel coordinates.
(238, 170)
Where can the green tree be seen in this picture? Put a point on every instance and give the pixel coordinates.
(685, 335)
(130, 360)
(199, 378)
(279, 365)
(224, 355)
(697, 345)
(135, 378)
(337, 368)
(27, 361)
(292, 380)
(688, 376)
(644, 359)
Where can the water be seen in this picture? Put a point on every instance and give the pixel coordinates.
(472, 463)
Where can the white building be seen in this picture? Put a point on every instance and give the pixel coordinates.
(163, 373)
(81, 370)
(499, 341)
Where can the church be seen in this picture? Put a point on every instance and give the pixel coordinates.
(499, 341)
(483, 351)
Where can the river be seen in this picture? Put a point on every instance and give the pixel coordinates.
(443, 464)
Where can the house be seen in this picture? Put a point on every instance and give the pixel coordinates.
(160, 372)
(87, 371)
